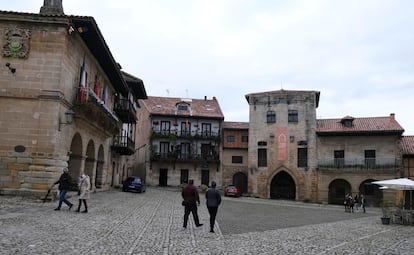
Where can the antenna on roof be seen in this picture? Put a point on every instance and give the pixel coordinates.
(281, 85)
(168, 92)
(186, 92)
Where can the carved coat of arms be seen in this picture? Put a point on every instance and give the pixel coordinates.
(17, 42)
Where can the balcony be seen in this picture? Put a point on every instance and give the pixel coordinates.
(184, 157)
(186, 135)
(358, 164)
(125, 110)
(123, 145)
(89, 107)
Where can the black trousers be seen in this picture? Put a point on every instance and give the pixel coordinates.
(213, 212)
(193, 209)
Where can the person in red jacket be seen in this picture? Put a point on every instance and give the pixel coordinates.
(191, 200)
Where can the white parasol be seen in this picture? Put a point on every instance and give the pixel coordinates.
(397, 184)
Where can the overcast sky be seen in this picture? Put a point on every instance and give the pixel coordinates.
(358, 54)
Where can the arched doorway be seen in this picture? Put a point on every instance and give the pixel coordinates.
(240, 181)
(337, 190)
(283, 187)
(371, 192)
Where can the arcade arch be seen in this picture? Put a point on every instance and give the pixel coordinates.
(338, 188)
(75, 157)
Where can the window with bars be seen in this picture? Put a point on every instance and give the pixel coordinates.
(302, 157)
(237, 159)
(271, 117)
(293, 116)
(261, 157)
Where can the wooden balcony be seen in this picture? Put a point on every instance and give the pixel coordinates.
(123, 145)
(125, 110)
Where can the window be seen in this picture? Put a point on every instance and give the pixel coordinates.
(230, 138)
(206, 129)
(292, 116)
(205, 151)
(164, 149)
(261, 143)
(185, 128)
(261, 157)
(237, 159)
(271, 117)
(245, 139)
(302, 157)
(185, 151)
(339, 158)
(182, 107)
(165, 127)
(369, 158)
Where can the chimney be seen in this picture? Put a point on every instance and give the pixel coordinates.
(205, 98)
(52, 7)
(392, 116)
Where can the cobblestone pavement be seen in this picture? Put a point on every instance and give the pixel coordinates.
(151, 223)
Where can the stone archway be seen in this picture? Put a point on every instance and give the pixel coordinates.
(283, 186)
(373, 195)
(99, 175)
(75, 158)
(90, 162)
(240, 181)
(337, 190)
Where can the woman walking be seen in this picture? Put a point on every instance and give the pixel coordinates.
(84, 187)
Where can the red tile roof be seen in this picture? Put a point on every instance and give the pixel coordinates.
(407, 144)
(206, 108)
(235, 125)
(359, 125)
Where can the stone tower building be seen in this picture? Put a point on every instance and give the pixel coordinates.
(282, 144)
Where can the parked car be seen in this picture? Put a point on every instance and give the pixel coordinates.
(231, 190)
(133, 184)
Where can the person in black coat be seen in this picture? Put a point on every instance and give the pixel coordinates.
(213, 200)
(64, 186)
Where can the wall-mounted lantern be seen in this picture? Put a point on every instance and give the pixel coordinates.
(69, 118)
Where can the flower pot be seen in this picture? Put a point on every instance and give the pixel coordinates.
(385, 220)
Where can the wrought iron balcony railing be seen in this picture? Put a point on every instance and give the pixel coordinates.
(357, 163)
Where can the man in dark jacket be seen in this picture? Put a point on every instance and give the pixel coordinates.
(191, 199)
(213, 200)
(64, 186)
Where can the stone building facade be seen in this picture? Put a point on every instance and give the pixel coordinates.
(282, 153)
(180, 139)
(294, 155)
(235, 155)
(64, 102)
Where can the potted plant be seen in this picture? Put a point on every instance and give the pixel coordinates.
(386, 216)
